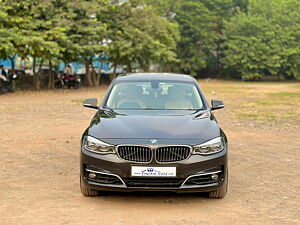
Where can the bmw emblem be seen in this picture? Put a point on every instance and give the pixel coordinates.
(153, 141)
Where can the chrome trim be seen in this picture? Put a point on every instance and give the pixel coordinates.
(147, 146)
(110, 174)
(153, 148)
(198, 175)
(190, 147)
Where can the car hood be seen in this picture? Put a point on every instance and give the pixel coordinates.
(124, 126)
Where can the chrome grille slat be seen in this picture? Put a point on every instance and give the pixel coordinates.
(140, 153)
(172, 154)
(135, 153)
(163, 154)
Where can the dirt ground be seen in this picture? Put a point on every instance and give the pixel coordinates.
(39, 162)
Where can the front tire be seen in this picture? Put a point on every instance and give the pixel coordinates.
(87, 191)
(220, 193)
(58, 84)
(10, 88)
(76, 85)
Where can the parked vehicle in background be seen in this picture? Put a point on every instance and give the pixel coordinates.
(70, 81)
(18, 71)
(7, 85)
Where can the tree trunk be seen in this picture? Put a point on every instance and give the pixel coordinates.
(99, 75)
(94, 78)
(12, 60)
(51, 76)
(129, 68)
(218, 57)
(35, 76)
(88, 79)
(170, 66)
(115, 69)
(218, 71)
(37, 82)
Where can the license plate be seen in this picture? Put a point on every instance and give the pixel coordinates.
(145, 171)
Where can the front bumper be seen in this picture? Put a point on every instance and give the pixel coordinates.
(114, 173)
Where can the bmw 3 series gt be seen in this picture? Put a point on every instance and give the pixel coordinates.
(154, 132)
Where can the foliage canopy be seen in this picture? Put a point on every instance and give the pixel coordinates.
(249, 38)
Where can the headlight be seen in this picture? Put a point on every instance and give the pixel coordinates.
(94, 145)
(210, 147)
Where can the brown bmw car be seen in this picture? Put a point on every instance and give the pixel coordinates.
(154, 132)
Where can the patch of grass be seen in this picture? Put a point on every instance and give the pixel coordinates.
(268, 106)
(259, 116)
(270, 102)
(286, 94)
(291, 115)
(265, 103)
(296, 85)
(77, 101)
(10, 108)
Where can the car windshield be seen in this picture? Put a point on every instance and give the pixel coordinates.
(155, 95)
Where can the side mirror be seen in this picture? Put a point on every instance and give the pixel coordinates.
(91, 103)
(216, 104)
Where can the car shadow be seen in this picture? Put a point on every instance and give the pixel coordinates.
(153, 197)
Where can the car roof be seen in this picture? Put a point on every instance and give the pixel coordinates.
(154, 76)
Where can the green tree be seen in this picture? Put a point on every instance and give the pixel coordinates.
(222, 10)
(32, 29)
(85, 34)
(200, 23)
(12, 27)
(242, 5)
(265, 40)
(197, 25)
(139, 35)
(46, 34)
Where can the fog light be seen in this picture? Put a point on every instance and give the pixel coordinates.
(92, 175)
(214, 176)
